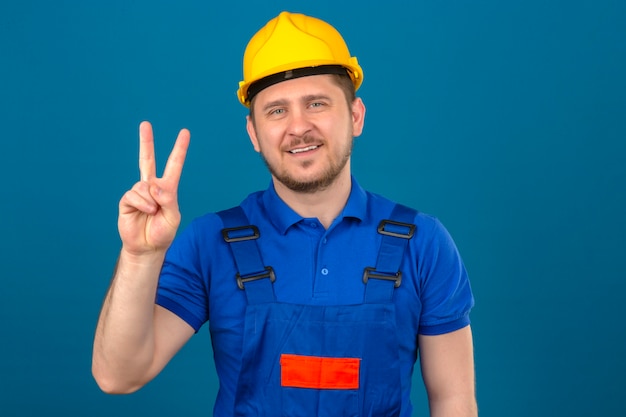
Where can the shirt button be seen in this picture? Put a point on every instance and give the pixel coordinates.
(324, 271)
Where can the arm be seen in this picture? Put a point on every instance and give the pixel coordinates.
(134, 338)
(448, 370)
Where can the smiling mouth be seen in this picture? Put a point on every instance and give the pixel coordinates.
(300, 150)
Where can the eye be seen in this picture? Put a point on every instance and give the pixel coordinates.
(276, 112)
(317, 105)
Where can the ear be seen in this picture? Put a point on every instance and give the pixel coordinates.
(252, 133)
(358, 116)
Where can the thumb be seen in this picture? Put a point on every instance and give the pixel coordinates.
(156, 192)
(168, 206)
(167, 200)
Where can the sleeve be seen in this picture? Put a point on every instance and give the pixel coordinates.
(182, 285)
(446, 294)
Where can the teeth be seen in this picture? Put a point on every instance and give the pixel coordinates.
(308, 148)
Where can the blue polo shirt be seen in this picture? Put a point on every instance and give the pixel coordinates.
(313, 266)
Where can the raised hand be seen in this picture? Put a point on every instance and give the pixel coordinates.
(148, 213)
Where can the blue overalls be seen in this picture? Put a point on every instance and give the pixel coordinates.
(305, 360)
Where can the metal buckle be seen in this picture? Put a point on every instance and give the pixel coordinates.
(409, 226)
(269, 274)
(226, 233)
(369, 273)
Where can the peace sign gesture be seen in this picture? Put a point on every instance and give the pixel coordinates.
(148, 212)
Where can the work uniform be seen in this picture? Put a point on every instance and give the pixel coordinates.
(317, 340)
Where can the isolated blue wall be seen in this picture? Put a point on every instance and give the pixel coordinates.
(506, 119)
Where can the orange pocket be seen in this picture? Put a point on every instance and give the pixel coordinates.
(317, 372)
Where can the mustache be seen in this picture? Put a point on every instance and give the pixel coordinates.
(304, 140)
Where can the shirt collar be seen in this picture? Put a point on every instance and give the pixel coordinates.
(283, 217)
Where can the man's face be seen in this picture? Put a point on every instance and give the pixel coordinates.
(304, 129)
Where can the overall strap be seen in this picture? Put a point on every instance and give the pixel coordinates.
(381, 280)
(253, 276)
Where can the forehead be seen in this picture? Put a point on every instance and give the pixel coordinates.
(292, 90)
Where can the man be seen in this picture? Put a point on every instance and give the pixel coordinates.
(317, 293)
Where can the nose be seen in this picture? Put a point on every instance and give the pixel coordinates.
(299, 123)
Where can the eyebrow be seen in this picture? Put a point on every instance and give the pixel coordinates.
(275, 103)
(314, 97)
(303, 99)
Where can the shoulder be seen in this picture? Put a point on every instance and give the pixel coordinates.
(213, 220)
(431, 237)
(383, 208)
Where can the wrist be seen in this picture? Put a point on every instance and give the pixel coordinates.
(144, 258)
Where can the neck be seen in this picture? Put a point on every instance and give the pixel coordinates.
(325, 205)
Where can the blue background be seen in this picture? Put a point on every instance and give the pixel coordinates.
(506, 119)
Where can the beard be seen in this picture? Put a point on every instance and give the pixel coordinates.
(319, 183)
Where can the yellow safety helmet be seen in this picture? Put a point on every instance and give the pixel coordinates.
(294, 45)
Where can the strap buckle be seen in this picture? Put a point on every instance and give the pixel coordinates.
(410, 229)
(370, 272)
(238, 234)
(268, 274)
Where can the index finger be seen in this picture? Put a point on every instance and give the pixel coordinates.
(147, 163)
(176, 160)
